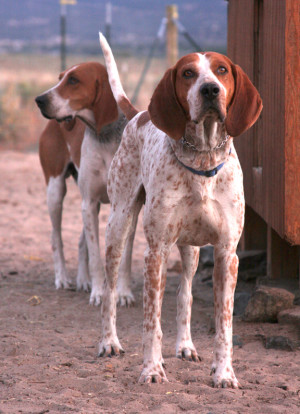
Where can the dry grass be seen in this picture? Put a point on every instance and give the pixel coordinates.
(22, 77)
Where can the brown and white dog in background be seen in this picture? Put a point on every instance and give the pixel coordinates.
(83, 145)
(179, 157)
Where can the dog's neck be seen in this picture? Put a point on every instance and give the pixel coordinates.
(87, 116)
(114, 130)
(204, 145)
(110, 132)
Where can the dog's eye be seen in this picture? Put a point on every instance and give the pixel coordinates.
(188, 74)
(72, 80)
(222, 70)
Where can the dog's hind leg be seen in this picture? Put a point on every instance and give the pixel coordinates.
(83, 280)
(125, 295)
(56, 191)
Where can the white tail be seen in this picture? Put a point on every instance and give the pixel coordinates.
(114, 79)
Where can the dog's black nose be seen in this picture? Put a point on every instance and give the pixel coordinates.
(41, 101)
(210, 90)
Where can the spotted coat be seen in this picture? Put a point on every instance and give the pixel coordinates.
(203, 98)
(83, 144)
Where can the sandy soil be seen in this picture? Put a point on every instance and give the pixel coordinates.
(48, 347)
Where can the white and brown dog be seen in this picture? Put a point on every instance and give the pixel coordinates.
(84, 149)
(179, 157)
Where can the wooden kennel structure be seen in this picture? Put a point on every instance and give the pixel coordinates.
(263, 38)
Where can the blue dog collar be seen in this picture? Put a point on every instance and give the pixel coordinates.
(205, 173)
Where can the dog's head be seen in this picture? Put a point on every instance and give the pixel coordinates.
(204, 85)
(83, 91)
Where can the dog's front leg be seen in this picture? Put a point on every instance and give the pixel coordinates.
(155, 280)
(116, 233)
(225, 278)
(185, 348)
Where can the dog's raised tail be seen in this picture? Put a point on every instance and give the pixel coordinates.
(114, 79)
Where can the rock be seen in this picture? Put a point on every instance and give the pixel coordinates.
(279, 342)
(251, 259)
(290, 316)
(252, 264)
(297, 299)
(283, 386)
(265, 304)
(207, 256)
(252, 274)
(241, 300)
(237, 341)
(211, 325)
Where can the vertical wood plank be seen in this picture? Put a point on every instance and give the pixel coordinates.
(292, 122)
(282, 258)
(240, 49)
(255, 231)
(273, 113)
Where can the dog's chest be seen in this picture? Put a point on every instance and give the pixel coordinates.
(188, 211)
(187, 208)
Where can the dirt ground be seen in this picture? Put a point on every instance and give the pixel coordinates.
(48, 347)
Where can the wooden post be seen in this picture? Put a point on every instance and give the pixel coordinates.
(255, 232)
(282, 258)
(172, 35)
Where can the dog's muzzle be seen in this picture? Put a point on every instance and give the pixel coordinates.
(42, 102)
(210, 91)
(211, 97)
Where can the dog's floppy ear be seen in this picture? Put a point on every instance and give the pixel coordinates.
(105, 107)
(246, 104)
(165, 110)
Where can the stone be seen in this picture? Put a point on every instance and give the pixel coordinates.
(207, 256)
(279, 342)
(252, 264)
(290, 316)
(237, 341)
(251, 259)
(266, 303)
(241, 300)
(297, 298)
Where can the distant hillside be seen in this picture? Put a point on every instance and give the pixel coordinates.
(34, 24)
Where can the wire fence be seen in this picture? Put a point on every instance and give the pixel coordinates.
(159, 38)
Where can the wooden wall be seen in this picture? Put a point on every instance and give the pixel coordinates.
(263, 38)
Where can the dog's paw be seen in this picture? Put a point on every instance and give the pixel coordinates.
(82, 283)
(126, 299)
(96, 295)
(110, 348)
(188, 354)
(62, 282)
(153, 373)
(224, 377)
